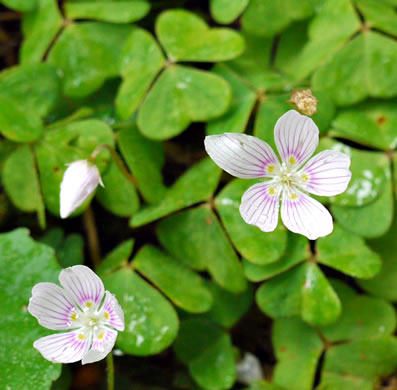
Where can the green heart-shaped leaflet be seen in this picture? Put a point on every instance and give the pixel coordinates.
(18, 123)
(381, 15)
(228, 308)
(145, 158)
(235, 119)
(348, 253)
(250, 241)
(23, 263)
(117, 258)
(186, 37)
(151, 323)
(194, 186)
(45, 23)
(296, 252)
(184, 287)
(20, 180)
(382, 285)
(207, 350)
(277, 15)
(204, 246)
(362, 333)
(87, 56)
(118, 195)
(140, 60)
(119, 11)
(303, 291)
(366, 66)
(372, 124)
(297, 348)
(335, 23)
(36, 87)
(370, 171)
(226, 11)
(180, 96)
(363, 317)
(371, 220)
(20, 5)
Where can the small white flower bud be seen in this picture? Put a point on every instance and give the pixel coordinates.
(80, 180)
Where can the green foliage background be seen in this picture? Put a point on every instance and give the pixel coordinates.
(197, 284)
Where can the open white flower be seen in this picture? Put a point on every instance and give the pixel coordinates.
(290, 180)
(91, 315)
(80, 180)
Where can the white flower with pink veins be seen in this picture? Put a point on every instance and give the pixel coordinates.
(290, 180)
(91, 314)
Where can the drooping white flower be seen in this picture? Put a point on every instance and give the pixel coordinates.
(249, 369)
(290, 180)
(80, 180)
(91, 315)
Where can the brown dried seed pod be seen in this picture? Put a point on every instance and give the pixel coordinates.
(304, 100)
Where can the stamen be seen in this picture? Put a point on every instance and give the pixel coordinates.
(285, 178)
(81, 336)
(270, 168)
(292, 160)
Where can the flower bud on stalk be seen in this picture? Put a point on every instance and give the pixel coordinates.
(80, 180)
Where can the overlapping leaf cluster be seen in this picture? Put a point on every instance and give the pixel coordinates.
(134, 75)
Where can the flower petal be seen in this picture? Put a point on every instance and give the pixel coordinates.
(85, 286)
(327, 173)
(53, 307)
(260, 205)
(296, 138)
(79, 181)
(67, 347)
(304, 215)
(111, 312)
(242, 155)
(102, 344)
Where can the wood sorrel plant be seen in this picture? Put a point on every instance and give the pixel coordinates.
(134, 88)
